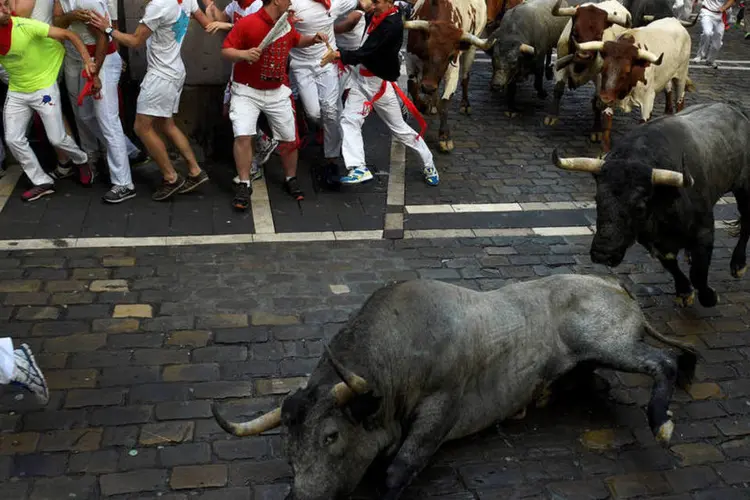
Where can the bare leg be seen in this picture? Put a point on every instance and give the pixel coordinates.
(243, 156)
(144, 127)
(171, 130)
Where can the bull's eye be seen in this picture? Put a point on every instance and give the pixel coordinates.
(331, 438)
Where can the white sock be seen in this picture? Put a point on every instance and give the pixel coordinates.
(287, 178)
(247, 183)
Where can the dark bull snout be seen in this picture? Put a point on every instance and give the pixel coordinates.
(611, 258)
(429, 87)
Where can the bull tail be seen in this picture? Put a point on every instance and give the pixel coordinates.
(686, 360)
(689, 85)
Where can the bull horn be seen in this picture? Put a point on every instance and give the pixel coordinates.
(251, 427)
(353, 381)
(564, 61)
(482, 43)
(593, 165)
(670, 178)
(689, 24)
(650, 56)
(596, 45)
(526, 49)
(560, 11)
(648, 18)
(615, 19)
(417, 25)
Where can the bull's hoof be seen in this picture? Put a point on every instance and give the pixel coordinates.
(446, 146)
(549, 72)
(708, 297)
(738, 273)
(511, 114)
(433, 110)
(550, 120)
(465, 109)
(664, 434)
(541, 94)
(685, 300)
(520, 415)
(543, 399)
(596, 137)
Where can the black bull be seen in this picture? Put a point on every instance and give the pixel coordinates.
(659, 185)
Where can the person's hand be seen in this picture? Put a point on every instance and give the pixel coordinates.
(293, 17)
(124, 66)
(320, 38)
(91, 69)
(217, 26)
(330, 56)
(96, 88)
(98, 21)
(81, 15)
(252, 55)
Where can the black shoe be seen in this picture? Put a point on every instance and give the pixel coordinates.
(168, 189)
(242, 194)
(193, 182)
(118, 194)
(140, 159)
(292, 187)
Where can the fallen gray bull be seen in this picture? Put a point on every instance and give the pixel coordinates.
(425, 362)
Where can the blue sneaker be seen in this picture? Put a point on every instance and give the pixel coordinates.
(357, 175)
(27, 374)
(431, 176)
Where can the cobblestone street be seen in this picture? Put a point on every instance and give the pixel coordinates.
(137, 337)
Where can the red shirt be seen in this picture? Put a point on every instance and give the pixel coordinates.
(268, 72)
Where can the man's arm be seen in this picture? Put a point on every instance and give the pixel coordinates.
(387, 35)
(101, 47)
(23, 8)
(216, 26)
(62, 35)
(726, 6)
(137, 39)
(307, 40)
(236, 55)
(62, 20)
(214, 13)
(349, 23)
(200, 16)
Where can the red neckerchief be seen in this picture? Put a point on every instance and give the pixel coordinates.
(88, 88)
(325, 3)
(245, 4)
(376, 20)
(5, 32)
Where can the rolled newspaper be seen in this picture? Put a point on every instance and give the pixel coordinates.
(281, 28)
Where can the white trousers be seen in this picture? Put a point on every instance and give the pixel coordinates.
(388, 109)
(17, 113)
(712, 35)
(100, 118)
(7, 360)
(318, 90)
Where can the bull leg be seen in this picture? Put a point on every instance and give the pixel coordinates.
(700, 255)
(434, 419)
(685, 292)
(552, 118)
(606, 131)
(596, 131)
(466, 60)
(680, 90)
(539, 82)
(738, 264)
(465, 106)
(446, 143)
(510, 98)
(669, 108)
(549, 71)
(657, 363)
(416, 98)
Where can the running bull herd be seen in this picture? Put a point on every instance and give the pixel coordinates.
(424, 362)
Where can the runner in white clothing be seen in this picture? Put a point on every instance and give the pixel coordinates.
(99, 115)
(349, 30)
(162, 30)
(318, 86)
(712, 30)
(223, 20)
(18, 367)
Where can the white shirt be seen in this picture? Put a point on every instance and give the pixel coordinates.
(112, 8)
(42, 11)
(168, 20)
(713, 5)
(351, 40)
(235, 12)
(315, 18)
(79, 28)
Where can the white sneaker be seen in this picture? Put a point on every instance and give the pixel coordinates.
(27, 374)
(265, 146)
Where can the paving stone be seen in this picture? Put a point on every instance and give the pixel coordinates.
(267, 318)
(691, 478)
(250, 472)
(185, 454)
(222, 390)
(191, 373)
(125, 376)
(71, 440)
(737, 448)
(219, 354)
(71, 379)
(36, 313)
(54, 420)
(98, 273)
(7, 286)
(160, 356)
(75, 343)
(189, 338)
(734, 472)
(279, 386)
(59, 328)
(94, 462)
(706, 390)
(697, 453)
(30, 298)
(118, 261)
(133, 311)
(132, 482)
(83, 398)
(63, 487)
(166, 433)
(105, 285)
(123, 415)
(234, 449)
(176, 410)
(221, 321)
(22, 442)
(137, 458)
(633, 485)
(89, 311)
(68, 298)
(204, 476)
(591, 489)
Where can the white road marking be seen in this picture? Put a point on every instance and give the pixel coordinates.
(8, 183)
(260, 204)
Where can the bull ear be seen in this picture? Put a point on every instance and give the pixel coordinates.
(364, 406)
